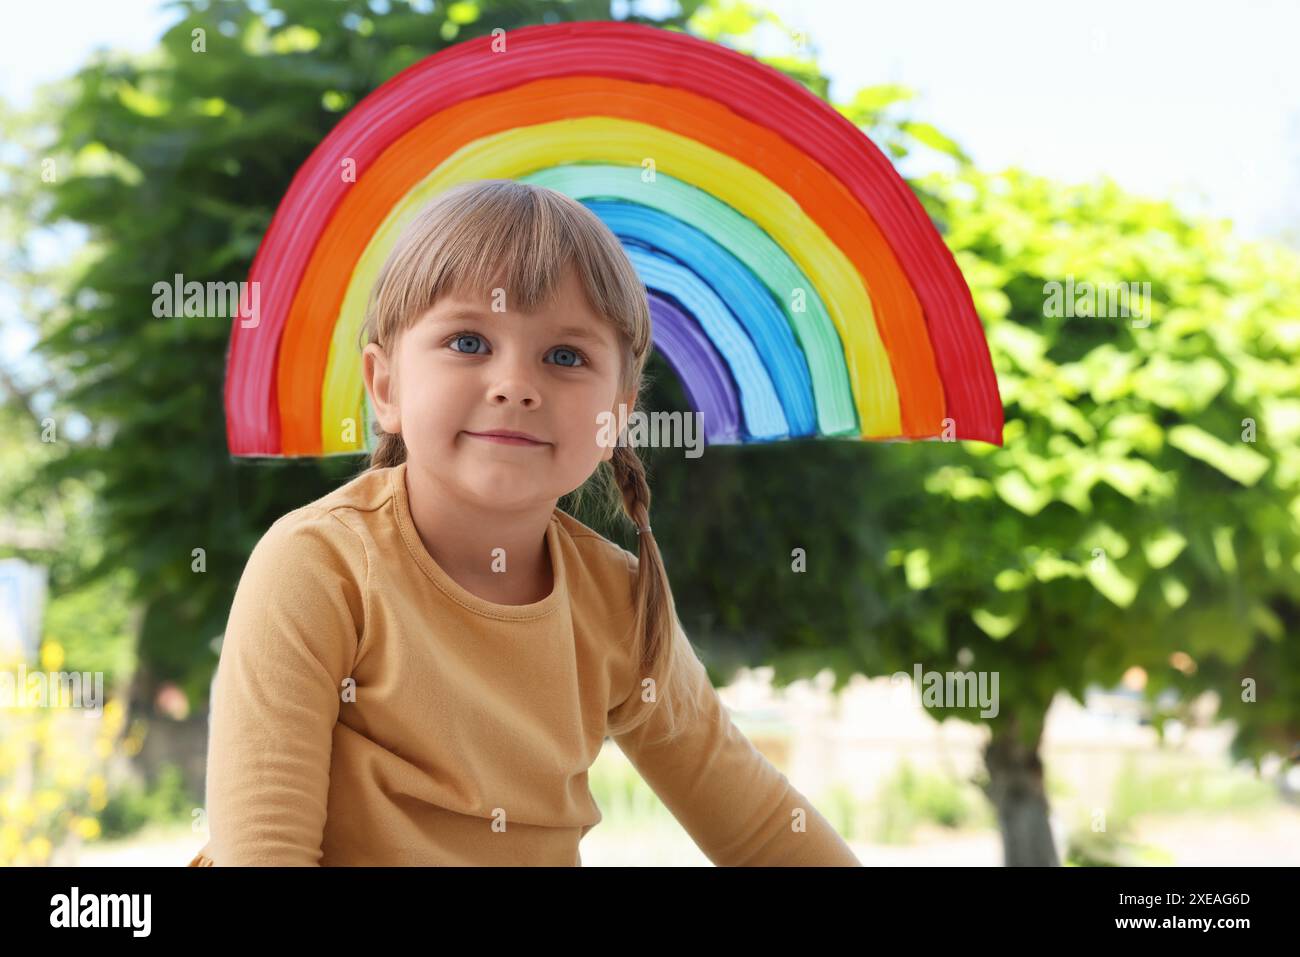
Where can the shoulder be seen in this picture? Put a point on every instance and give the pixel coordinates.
(594, 546)
(318, 542)
(307, 573)
(600, 560)
(367, 491)
(331, 523)
(309, 564)
(307, 529)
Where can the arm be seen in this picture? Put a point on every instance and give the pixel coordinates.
(734, 803)
(290, 642)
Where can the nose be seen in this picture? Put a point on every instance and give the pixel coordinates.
(514, 385)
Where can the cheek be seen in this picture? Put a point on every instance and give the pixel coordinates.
(585, 420)
(432, 404)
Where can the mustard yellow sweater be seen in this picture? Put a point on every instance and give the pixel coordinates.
(367, 709)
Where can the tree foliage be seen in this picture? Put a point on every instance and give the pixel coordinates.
(1143, 512)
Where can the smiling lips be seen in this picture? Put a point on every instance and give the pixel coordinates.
(509, 437)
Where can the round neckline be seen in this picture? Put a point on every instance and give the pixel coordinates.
(453, 589)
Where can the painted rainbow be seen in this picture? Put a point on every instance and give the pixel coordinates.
(797, 286)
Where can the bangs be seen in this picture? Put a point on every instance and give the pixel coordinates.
(490, 235)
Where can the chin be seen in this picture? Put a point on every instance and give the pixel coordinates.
(504, 490)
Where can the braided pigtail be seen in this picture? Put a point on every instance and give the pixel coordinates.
(657, 634)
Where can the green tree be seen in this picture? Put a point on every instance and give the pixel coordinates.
(1145, 510)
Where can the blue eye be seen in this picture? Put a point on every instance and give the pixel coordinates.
(473, 344)
(457, 339)
(579, 360)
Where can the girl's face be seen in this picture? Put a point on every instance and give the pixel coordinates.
(463, 369)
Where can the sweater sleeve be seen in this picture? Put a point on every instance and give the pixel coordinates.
(290, 642)
(737, 807)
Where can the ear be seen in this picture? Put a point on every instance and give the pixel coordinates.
(381, 385)
(628, 402)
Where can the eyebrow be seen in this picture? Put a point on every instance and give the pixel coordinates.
(464, 313)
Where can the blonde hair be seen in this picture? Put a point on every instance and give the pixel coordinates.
(502, 234)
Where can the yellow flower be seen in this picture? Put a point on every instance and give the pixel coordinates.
(51, 656)
(114, 716)
(96, 793)
(69, 775)
(48, 800)
(17, 734)
(40, 848)
(88, 828)
(10, 840)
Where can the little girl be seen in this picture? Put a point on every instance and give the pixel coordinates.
(421, 666)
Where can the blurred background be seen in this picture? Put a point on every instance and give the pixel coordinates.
(1127, 564)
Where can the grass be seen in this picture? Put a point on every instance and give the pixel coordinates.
(133, 806)
(1110, 842)
(908, 800)
(1176, 791)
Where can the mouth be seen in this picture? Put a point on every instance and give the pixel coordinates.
(509, 437)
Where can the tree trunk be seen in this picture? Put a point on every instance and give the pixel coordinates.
(1015, 788)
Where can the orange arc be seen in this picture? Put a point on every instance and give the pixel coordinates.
(304, 349)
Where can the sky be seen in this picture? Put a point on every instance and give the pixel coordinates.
(1194, 101)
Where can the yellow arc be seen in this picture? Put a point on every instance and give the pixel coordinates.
(597, 139)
